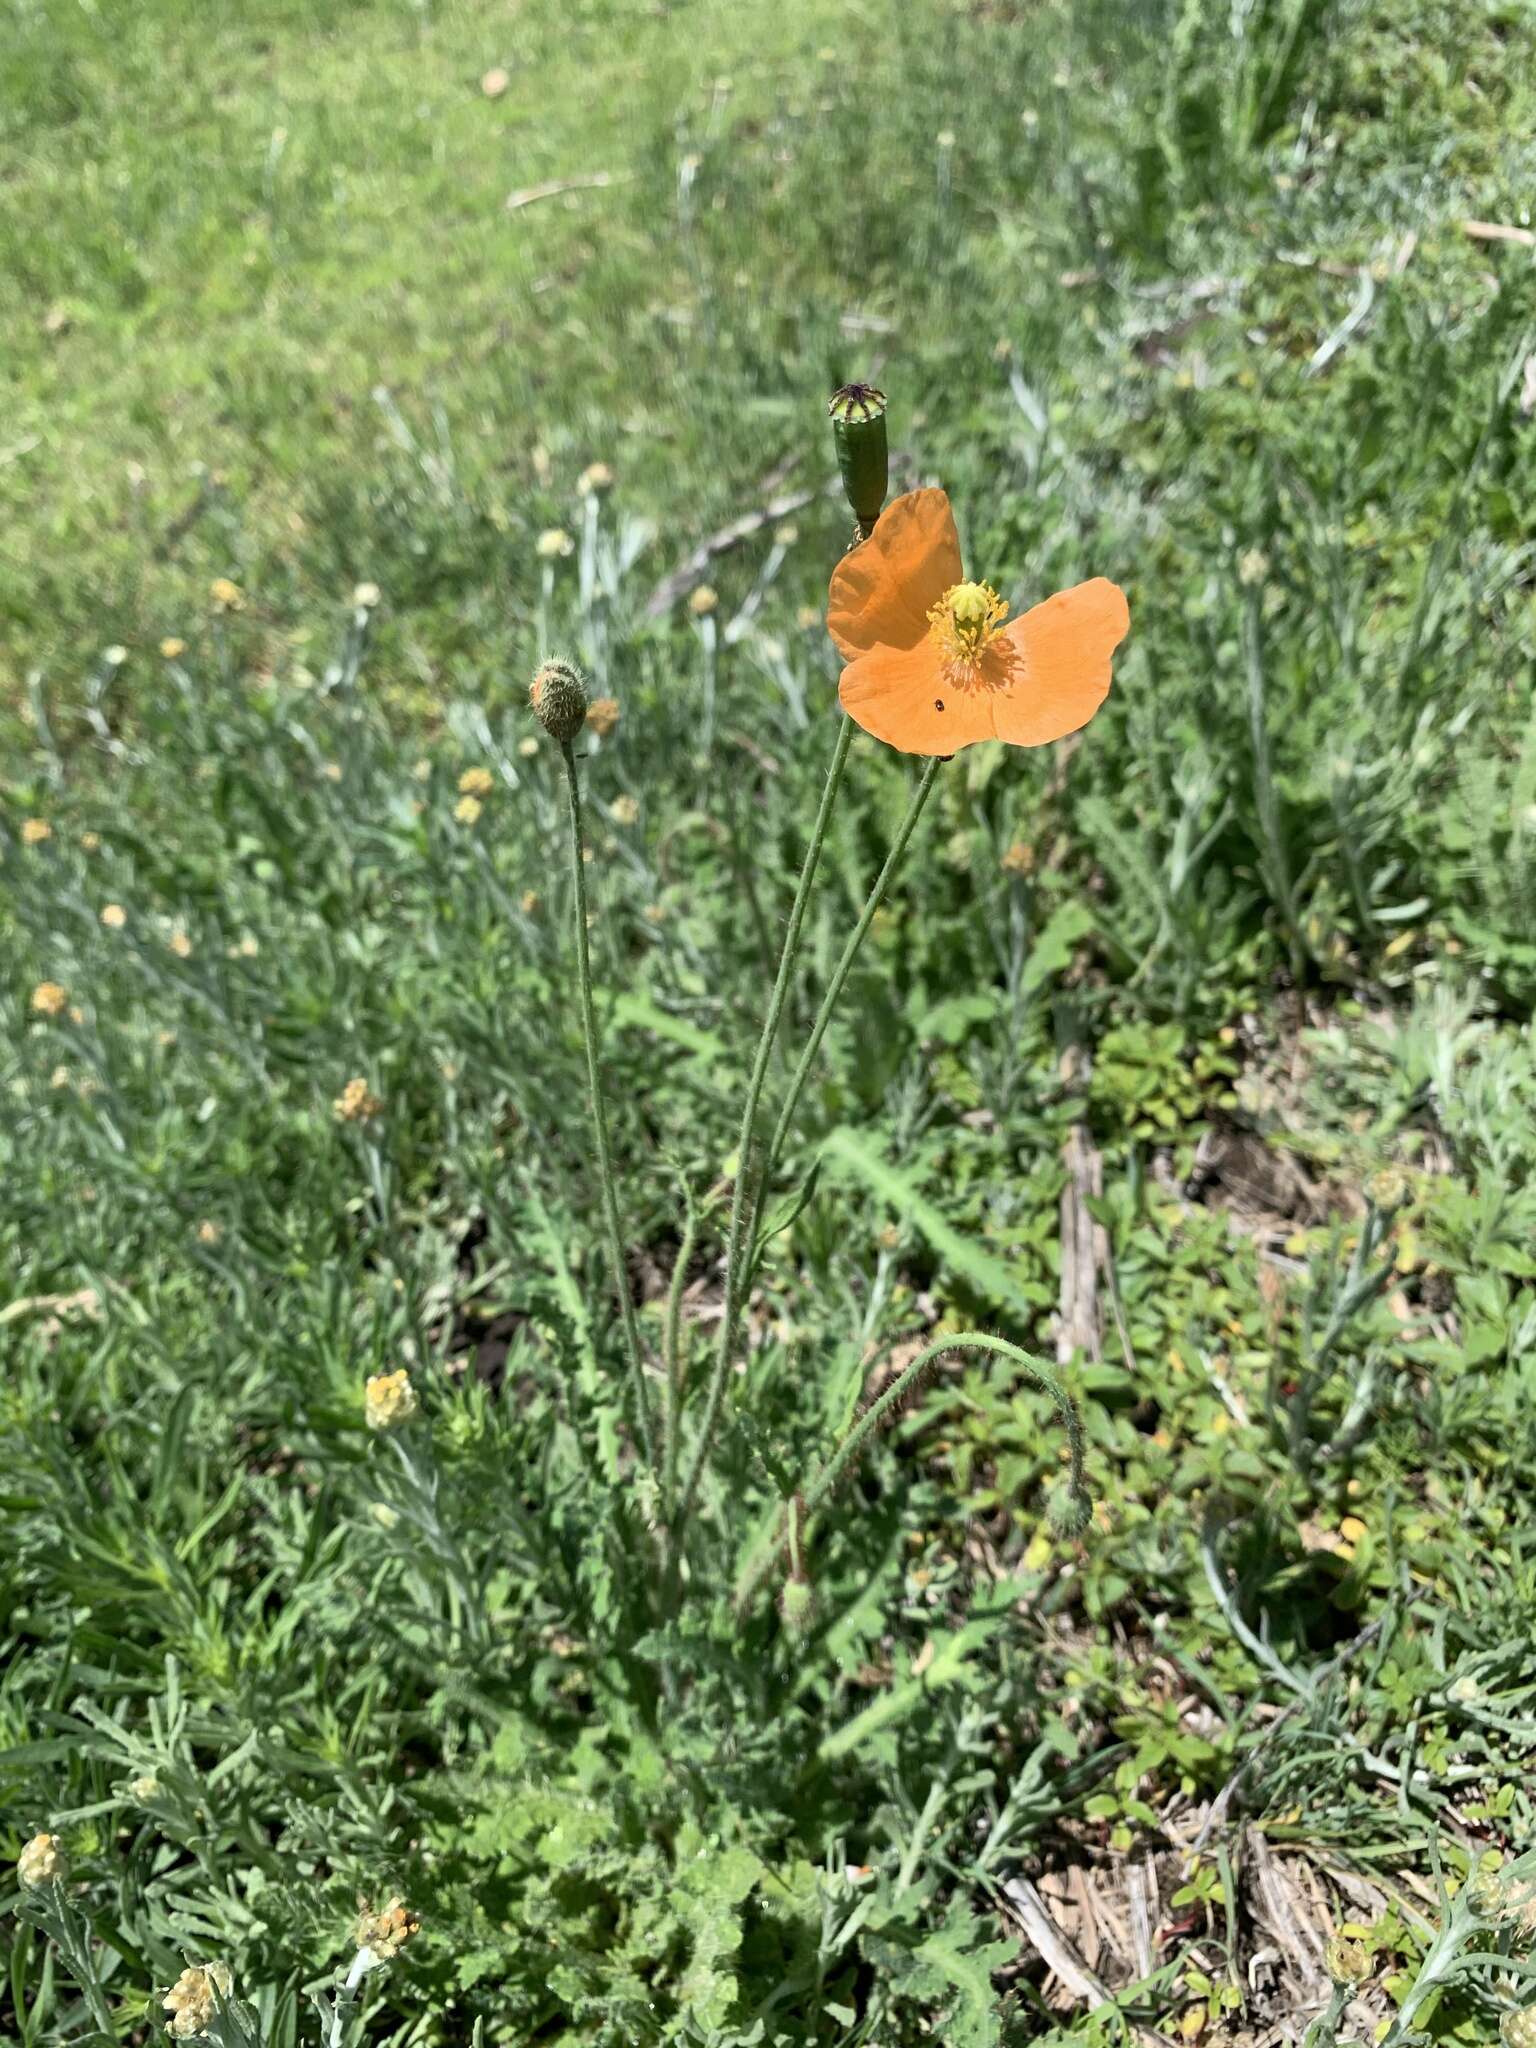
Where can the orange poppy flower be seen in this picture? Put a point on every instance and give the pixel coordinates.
(932, 667)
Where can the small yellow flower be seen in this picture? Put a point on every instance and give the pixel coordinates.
(113, 916)
(331, 770)
(603, 715)
(703, 601)
(467, 810)
(180, 944)
(554, 542)
(383, 1515)
(248, 948)
(387, 1931)
(528, 747)
(114, 657)
(34, 831)
(89, 841)
(1346, 1962)
(422, 770)
(208, 1232)
(807, 616)
(654, 913)
(356, 1104)
(389, 1399)
(59, 1078)
(49, 998)
(193, 2000)
(624, 810)
(1019, 859)
(476, 782)
(144, 1789)
(172, 648)
(42, 1861)
(594, 479)
(1252, 567)
(366, 596)
(227, 596)
(530, 902)
(165, 1040)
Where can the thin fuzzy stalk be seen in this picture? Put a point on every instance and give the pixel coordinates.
(737, 1242)
(672, 1349)
(853, 1445)
(599, 1118)
(834, 987)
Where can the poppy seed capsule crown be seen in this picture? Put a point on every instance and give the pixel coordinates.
(858, 430)
(559, 700)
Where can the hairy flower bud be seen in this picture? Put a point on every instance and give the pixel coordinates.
(797, 1606)
(1519, 2028)
(559, 700)
(858, 433)
(1069, 1510)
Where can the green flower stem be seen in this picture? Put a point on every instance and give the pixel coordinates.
(1324, 2030)
(599, 1119)
(854, 1444)
(737, 1241)
(834, 990)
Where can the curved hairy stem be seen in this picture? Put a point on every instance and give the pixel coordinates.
(857, 1439)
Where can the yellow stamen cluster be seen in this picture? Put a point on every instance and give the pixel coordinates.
(962, 625)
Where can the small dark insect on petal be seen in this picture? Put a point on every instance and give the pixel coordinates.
(938, 703)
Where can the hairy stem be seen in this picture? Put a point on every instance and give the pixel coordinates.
(835, 985)
(599, 1119)
(737, 1242)
(672, 1351)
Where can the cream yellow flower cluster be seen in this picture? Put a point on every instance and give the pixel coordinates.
(193, 2000)
(41, 1862)
(389, 1399)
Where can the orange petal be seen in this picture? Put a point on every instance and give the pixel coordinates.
(1043, 677)
(882, 589)
(899, 694)
(1059, 672)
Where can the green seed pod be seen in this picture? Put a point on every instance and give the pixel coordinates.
(1346, 1961)
(858, 431)
(559, 700)
(1069, 1510)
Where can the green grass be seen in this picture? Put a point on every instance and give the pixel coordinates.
(1165, 293)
